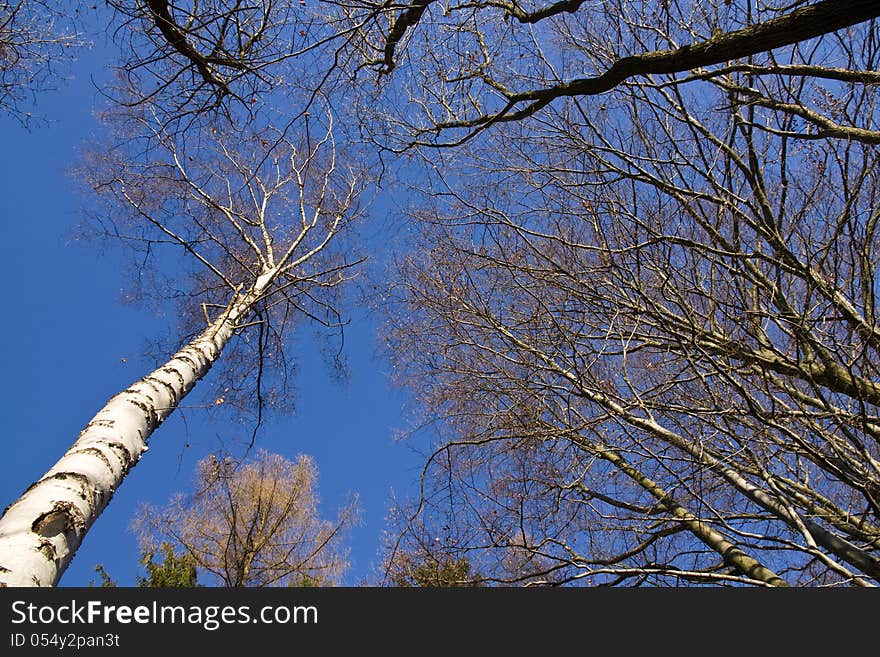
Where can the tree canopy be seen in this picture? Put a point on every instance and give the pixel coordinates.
(253, 523)
(634, 302)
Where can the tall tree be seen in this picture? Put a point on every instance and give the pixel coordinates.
(698, 136)
(257, 216)
(647, 318)
(197, 165)
(253, 523)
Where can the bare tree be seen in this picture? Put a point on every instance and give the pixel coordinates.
(257, 216)
(654, 266)
(224, 58)
(36, 40)
(469, 66)
(253, 524)
(644, 323)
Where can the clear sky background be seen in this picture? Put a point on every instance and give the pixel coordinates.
(68, 343)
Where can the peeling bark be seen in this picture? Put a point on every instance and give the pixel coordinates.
(41, 531)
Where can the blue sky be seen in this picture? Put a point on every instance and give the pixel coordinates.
(68, 343)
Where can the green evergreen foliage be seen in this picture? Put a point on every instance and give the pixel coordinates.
(436, 573)
(173, 571)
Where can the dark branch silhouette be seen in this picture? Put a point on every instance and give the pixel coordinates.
(799, 25)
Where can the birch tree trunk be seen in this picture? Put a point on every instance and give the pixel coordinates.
(41, 531)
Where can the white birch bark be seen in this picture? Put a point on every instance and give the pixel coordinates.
(41, 531)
